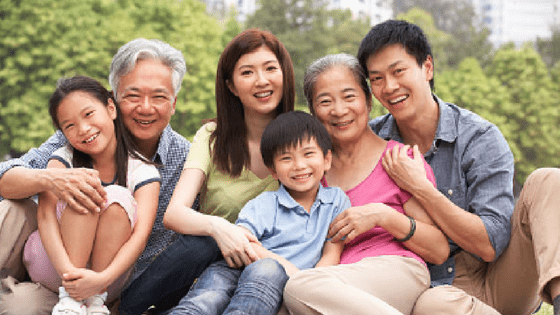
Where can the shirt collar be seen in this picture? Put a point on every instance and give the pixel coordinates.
(163, 146)
(446, 130)
(288, 202)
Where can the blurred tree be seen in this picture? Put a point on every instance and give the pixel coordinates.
(549, 48)
(470, 88)
(309, 31)
(457, 18)
(46, 39)
(534, 113)
(439, 40)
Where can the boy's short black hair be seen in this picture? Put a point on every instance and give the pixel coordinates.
(290, 129)
(409, 35)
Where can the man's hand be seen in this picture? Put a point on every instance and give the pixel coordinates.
(80, 188)
(406, 172)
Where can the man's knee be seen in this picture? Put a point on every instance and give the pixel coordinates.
(18, 219)
(449, 300)
(544, 177)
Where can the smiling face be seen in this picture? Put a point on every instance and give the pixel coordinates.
(258, 82)
(147, 102)
(340, 104)
(301, 168)
(88, 124)
(399, 83)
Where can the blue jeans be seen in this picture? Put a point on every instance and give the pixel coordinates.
(174, 269)
(257, 289)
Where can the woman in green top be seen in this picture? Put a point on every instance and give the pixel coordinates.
(254, 84)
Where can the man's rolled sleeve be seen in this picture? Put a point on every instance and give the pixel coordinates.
(488, 165)
(36, 158)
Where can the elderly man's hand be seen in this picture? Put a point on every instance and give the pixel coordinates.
(80, 188)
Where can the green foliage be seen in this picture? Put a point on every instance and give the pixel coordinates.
(535, 113)
(549, 48)
(43, 40)
(470, 88)
(309, 31)
(468, 37)
(439, 40)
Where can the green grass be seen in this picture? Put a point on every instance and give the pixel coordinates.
(546, 309)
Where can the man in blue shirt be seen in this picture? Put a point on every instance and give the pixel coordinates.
(145, 77)
(503, 260)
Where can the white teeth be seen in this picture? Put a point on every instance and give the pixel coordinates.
(342, 124)
(144, 122)
(91, 138)
(264, 94)
(302, 176)
(398, 99)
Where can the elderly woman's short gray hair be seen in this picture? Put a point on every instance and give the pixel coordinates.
(328, 62)
(140, 49)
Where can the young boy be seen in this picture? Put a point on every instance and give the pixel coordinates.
(291, 223)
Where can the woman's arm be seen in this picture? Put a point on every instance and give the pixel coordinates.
(428, 241)
(180, 217)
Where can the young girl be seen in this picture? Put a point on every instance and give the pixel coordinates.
(254, 84)
(93, 253)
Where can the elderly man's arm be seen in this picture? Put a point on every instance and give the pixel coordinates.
(27, 176)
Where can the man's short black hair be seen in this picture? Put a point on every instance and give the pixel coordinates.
(409, 35)
(290, 129)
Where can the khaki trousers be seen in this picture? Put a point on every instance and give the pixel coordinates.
(515, 282)
(18, 219)
(376, 285)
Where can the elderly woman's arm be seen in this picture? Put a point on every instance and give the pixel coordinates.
(427, 241)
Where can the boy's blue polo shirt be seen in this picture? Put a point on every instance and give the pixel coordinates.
(285, 228)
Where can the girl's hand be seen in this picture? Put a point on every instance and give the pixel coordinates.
(355, 221)
(82, 283)
(234, 242)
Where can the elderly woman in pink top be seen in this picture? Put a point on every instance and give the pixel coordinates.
(388, 235)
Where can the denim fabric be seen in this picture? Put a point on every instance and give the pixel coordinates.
(257, 289)
(473, 166)
(173, 269)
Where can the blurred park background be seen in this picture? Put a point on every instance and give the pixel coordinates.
(514, 85)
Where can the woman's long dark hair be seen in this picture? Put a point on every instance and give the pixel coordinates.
(231, 152)
(125, 145)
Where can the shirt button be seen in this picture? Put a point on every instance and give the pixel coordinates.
(450, 192)
(449, 269)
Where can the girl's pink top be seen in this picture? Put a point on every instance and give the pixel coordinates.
(378, 187)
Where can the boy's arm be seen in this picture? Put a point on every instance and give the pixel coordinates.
(331, 254)
(265, 253)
